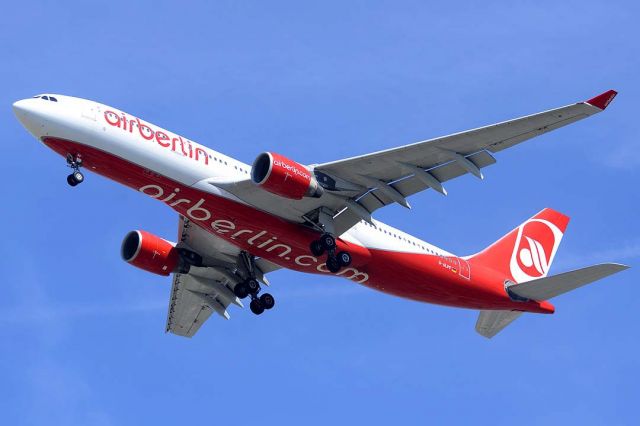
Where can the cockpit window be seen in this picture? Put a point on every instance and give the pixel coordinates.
(46, 98)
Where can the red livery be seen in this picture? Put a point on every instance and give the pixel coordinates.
(279, 175)
(151, 253)
(238, 223)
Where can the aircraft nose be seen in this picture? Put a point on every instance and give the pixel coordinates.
(21, 106)
(27, 112)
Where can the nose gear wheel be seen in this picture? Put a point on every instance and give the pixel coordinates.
(74, 162)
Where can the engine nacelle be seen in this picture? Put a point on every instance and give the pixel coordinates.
(281, 176)
(149, 252)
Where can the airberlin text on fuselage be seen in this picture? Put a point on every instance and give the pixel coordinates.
(222, 226)
(147, 132)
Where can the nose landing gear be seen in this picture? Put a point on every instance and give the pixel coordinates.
(75, 162)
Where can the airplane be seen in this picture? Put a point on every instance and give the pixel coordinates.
(239, 222)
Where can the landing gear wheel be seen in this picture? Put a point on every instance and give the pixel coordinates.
(327, 242)
(252, 286)
(316, 248)
(344, 258)
(256, 306)
(241, 290)
(267, 301)
(333, 265)
(78, 176)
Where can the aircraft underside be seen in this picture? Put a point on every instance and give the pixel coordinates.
(238, 223)
(426, 278)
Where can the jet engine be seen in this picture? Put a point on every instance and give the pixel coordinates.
(149, 252)
(282, 176)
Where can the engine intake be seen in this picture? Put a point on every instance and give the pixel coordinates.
(149, 252)
(282, 176)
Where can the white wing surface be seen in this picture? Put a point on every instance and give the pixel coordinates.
(356, 187)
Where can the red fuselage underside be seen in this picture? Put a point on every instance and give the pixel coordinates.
(422, 277)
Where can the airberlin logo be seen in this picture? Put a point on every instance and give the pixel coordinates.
(534, 249)
(147, 132)
(290, 168)
(262, 240)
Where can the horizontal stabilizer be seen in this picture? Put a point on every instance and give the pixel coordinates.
(546, 288)
(491, 323)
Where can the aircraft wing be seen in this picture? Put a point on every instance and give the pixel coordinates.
(207, 289)
(390, 176)
(192, 302)
(355, 187)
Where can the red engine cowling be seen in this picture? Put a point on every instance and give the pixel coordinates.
(279, 175)
(149, 252)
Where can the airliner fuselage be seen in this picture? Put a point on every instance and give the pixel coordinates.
(204, 186)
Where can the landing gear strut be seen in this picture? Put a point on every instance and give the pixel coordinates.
(251, 287)
(74, 162)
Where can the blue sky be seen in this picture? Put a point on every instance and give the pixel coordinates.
(83, 332)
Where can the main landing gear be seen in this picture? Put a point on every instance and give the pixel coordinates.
(335, 261)
(75, 162)
(251, 287)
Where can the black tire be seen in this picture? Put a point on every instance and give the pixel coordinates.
(316, 248)
(71, 180)
(344, 258)
(333, 265)
(252, 286)
(240, 290)
(267, 301)
(78, 177)
(328, 242)
(256, 306)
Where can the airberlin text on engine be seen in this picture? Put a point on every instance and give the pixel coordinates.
(227, 229)
(163, 138)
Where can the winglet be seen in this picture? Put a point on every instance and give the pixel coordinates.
(603, 100)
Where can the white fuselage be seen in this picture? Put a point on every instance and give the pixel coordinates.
(176, 157)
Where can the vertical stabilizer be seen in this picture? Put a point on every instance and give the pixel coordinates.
(526, 253)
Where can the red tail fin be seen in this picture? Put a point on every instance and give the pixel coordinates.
(526, 252)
